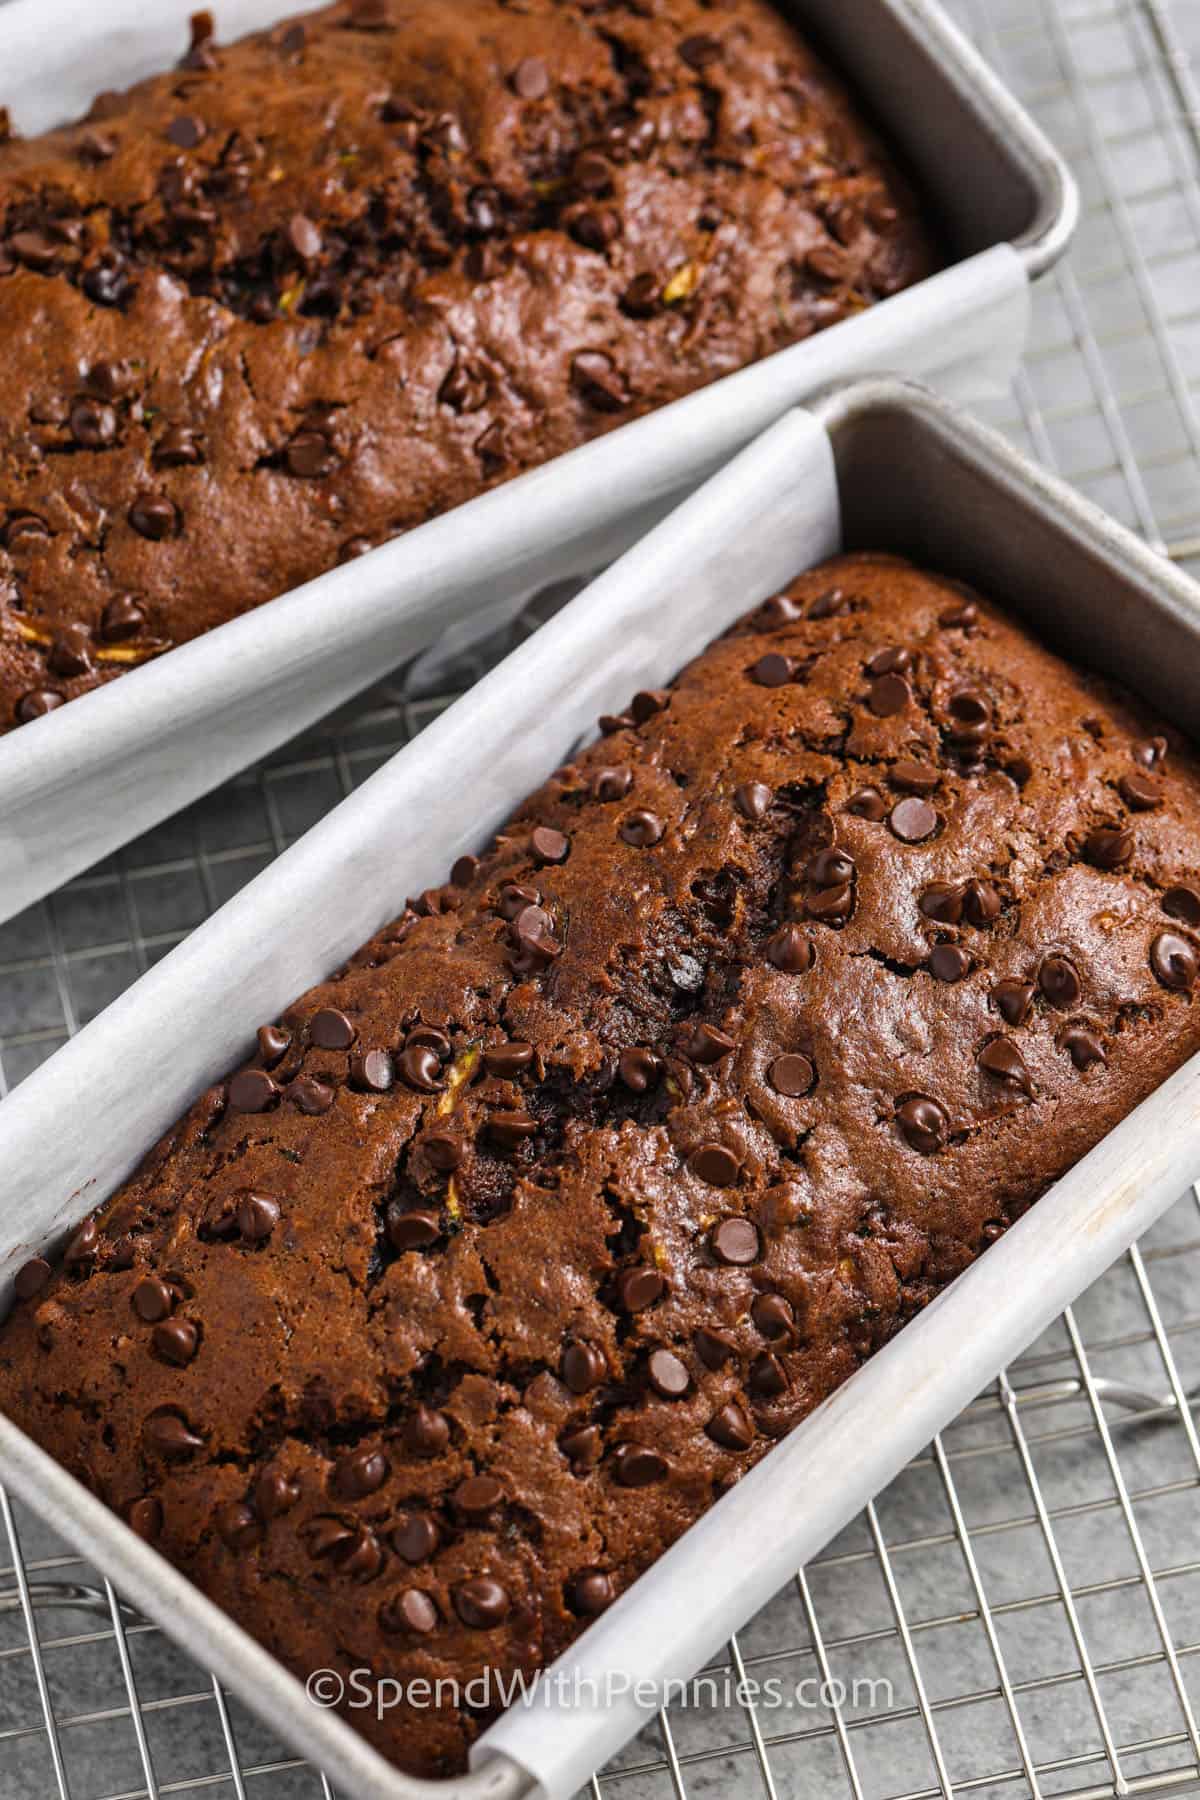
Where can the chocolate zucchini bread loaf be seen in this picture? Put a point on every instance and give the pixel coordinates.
(525, 1235)
(300, 294)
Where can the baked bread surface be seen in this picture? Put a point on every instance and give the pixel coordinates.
(526, 1234)
(300, 294)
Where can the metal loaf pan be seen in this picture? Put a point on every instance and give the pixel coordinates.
(83, 781)
(880, 465)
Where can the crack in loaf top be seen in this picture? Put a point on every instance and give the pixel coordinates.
(526, 1233)
(300, 294)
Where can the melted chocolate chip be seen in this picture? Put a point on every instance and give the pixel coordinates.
(590, 1591)
(888, 696)
(481, 1604)
(1175, 961)
(476, 1498)
(275, 1494)
(427, 1433)
(548, 845)
(152, 1300)
(360, 1474)
(421, 1068)
(703, 1043)
(773, 670)
(444, 1148)
(310, 1095)
(1141, 792)
(154, 516)
(768, 1377)
(411, 1611)
(949, 963)
(791, 951)
(145, 1518)
(1001, 1059)
(530, 79)
(509, 1129)
(1060, 983)
(508, 1060)
(731, 1428)
(32, 1278)
(713, 1349)
(1083, 1046)
(1013, 1000)
(168, 1434)
(583, 1367)
(773, 1316)
(1108, 848)
(176, 1341)
(121, 619)
(372, 1072)
(923, 1123)
(414, 1536)
(237, 1526)
(641, 829)
(638, 1466)
(412, 1229)
(980, 904)
(639, 1070)
(1182, 903)
(868, 803)
(610, 784)
(753, 800)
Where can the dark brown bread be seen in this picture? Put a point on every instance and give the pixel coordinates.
(525, 1235)
(303, 293)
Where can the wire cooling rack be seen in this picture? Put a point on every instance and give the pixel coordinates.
(1019, 1613)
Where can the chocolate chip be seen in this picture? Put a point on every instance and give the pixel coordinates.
(93, 424)
(703, 1043)
(36, 704)
(913, 777)
(427, 1433)
(481, 1604)
(1083, 1047)
(169, 1435)
(31, 1278)
(639, 1287)
(411, 1611)
(700, 51)
(583, 1367)
(648, 702)
(888, 695)
(83, 1246)
(514, 900)
(154, 517)
(639, 1070)
(1109, 848)
(1182, 903)
(583, 1448)
(145, 1518)
(35, 249)
(1175, 961)
(923, 1123)
(309, 455)
(331, 1029)
(960, 617)
(176, 1341)
(414, 1229)
(731, 1428)
(536, 941)
(178, 448)
(1060, 983)
(477, 1497)
(310, 1095)
(152, 1300)
(1013, 1000)
(913, 820)
(890, 662)
(1141, 793)
(187, 131)
(362, 1558)
(768, 1377)
(773, 1316)
(638, 1466)
(773, 670)
(948, 963)
(122, 618)
(712, 1348)
(868, 804)
(508, 1060)
(70, 653)
(791, 1076)
(548, 845)
(753, 800)
(372, 1071)
(464, 871)
(275, 1493)
(641, 829)
(257, 1217)
(431, 1038)
(237, 1526)
(414, 1536)
(830, 868)
(599, 381)
(667, 1375)
(642, 296)
(610, 784)
(530, 79)
(734, 1242)
(421, 1068)
(326, 1536)
(590, 1591)
(362, 1473)
(1001, 1059)
(444, 1148)
(509, 1129)
(791, 951)
(980, 904)
(831, 905)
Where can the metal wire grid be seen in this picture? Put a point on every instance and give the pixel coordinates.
(1029, 1588)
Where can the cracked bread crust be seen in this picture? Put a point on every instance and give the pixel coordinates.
(301, 294)
(523, 1236)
